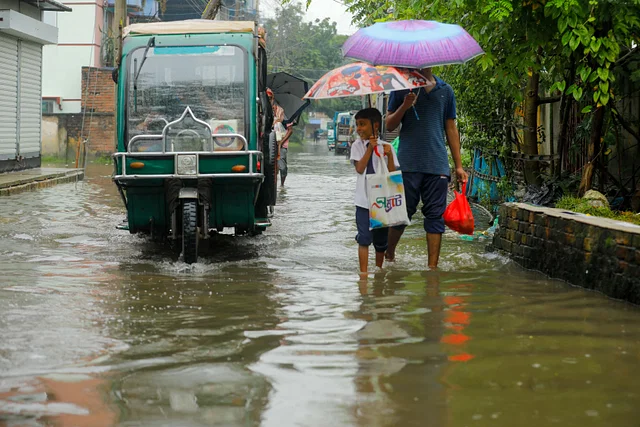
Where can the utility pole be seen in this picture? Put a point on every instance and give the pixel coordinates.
(257, 18)
(211, 10)
(119, 22)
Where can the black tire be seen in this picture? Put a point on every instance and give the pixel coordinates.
(266, 194)
(190, 231)
(271, 170)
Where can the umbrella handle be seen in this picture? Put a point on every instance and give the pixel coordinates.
(414, 106)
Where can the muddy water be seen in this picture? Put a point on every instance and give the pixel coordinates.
(101, 328)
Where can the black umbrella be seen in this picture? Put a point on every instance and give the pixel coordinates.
(288, 91)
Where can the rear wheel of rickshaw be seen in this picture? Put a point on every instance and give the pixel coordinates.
(271, 170)
(190, 231)
(267, 193)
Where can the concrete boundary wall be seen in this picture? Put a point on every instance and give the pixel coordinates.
(595, 253)
(35, 179)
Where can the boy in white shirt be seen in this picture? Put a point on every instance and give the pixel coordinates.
(368, 123)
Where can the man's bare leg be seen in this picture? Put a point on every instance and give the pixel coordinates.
(434, 241)
(379, 259)
(363, 259)
(393, 239)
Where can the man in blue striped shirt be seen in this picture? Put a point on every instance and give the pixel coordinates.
(427, 117)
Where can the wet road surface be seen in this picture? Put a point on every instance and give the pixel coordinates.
(102, 328)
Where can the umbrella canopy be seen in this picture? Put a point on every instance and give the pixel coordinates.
(362, 79)
(412, 44)
(288, 91)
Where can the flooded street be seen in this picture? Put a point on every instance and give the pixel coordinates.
(102, 328)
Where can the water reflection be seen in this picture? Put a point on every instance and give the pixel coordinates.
(98, 327)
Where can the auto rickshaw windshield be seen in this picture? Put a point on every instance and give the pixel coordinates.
(210, 80)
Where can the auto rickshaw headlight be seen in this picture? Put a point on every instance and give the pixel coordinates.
(187, 164)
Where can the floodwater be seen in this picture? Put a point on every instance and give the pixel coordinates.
(102, 328)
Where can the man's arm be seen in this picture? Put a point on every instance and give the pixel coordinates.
(395, 117)
(453, 139)
(286, 136)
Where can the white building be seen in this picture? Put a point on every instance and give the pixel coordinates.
(82, 42)
(22, 35)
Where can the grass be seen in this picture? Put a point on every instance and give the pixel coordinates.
(57, 161)
(582, 206)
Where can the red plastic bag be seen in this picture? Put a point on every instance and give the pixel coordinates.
(458, 215)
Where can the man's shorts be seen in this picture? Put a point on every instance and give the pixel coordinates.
(282, 163)
(432, 190)
(366, 237)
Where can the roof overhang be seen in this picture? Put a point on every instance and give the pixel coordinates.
(51, 5)
(23, 27)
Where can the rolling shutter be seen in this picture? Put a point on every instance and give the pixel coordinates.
(8, 97)
(30, 99)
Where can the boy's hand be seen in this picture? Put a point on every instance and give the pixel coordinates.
(387, 149)
(373, 141)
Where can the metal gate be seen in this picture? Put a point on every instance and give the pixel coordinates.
(30, 102)
(8, 97)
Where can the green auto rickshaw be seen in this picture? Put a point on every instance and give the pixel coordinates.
(194, 153)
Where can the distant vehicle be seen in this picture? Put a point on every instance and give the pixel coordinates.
(331, 135)
(345, 128)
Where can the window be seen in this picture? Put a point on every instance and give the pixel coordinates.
(48, 106)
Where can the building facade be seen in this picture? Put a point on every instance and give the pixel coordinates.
(85, 40)
(22, 36)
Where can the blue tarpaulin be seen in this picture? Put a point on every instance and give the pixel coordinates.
(487, 171)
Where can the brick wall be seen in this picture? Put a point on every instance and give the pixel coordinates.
(98, 105)
(594, 253)
(96, 123)
(98, 90)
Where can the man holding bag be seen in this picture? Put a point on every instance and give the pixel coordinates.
(365, 160)
(426, 117)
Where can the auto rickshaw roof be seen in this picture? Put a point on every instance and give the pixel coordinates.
(190, 26)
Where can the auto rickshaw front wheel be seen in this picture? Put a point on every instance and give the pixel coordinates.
(190, 231)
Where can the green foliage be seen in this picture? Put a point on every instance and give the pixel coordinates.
(307, 50)
(519, 38)
(575, 204)
(505, 188)
(474, 135)
(466, 156)
(54, 161)
(498, 10)
(596, 32)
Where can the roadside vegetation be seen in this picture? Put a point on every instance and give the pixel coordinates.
(575, 60)
(584, 206)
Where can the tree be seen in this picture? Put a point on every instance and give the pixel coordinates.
(307, 50)
(595, 32)
(534, 47)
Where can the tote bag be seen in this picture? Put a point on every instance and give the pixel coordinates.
(387, 203)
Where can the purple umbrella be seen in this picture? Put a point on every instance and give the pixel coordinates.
(412, 44)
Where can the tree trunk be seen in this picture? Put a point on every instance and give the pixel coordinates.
(565, 114)
(593, 151)
(530, 146)
(563, 136)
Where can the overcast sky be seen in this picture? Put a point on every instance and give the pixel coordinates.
(332, 9)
